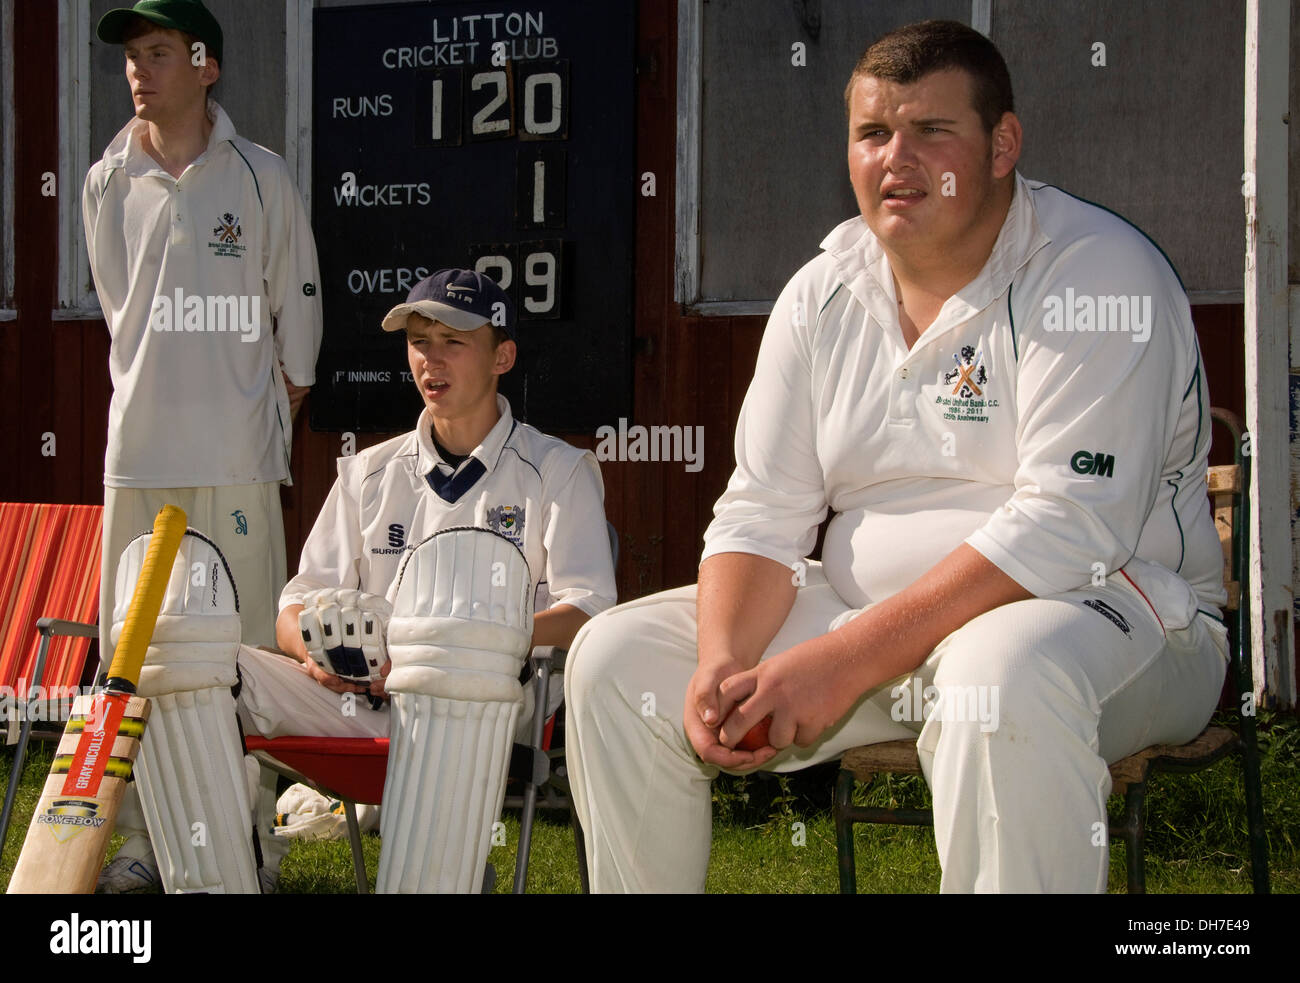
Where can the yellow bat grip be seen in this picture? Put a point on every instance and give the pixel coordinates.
(168, 529)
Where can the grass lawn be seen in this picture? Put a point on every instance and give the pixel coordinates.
(1196, 834)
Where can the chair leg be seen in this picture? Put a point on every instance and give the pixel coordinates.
(528, 811)
(12, 791)
(541, 689)
(1254, 806)
(844, 833)
(20, 757)
(1134, 834)
(580, 842)
(354, 837)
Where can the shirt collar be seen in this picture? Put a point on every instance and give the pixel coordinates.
(125, 150)
(488, 452)
(864, 267)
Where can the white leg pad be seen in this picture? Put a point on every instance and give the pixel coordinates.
(190, 773)
(459, 635)
(440, 803)
(194, 794)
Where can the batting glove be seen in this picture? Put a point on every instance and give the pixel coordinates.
(345, 631)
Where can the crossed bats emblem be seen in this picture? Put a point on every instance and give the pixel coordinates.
(969, 374)
(228, 229)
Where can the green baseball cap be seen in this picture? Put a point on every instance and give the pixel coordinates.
(189, 16)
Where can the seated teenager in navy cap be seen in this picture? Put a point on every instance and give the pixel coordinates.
(485, 521)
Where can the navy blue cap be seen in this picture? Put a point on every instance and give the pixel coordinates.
(460, 299)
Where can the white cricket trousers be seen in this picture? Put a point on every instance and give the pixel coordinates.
(1039, 696)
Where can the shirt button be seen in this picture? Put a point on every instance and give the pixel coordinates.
(903, 373)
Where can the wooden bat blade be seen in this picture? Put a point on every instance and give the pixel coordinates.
(70, 829)
(74, 818)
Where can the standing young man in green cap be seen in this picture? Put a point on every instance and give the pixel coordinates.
(206, 271)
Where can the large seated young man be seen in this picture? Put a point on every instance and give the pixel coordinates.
(434, 545)
(1020, 516)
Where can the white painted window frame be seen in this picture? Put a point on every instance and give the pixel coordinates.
(686, 252)
(1269, 365)
(686, 248)
(76, 300)
(8, 283)
(297, 93)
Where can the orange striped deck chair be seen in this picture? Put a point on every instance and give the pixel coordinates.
(49, 568)
(49, 606)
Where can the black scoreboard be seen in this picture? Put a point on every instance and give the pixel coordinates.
(497, 136)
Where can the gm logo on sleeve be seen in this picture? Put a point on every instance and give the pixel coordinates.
(1102, 465)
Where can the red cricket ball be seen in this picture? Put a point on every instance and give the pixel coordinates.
(757, 736)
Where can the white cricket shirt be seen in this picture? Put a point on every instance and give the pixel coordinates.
(201, 404)
(540, 492)
(1058, 453)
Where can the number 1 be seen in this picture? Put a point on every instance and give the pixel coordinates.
(539, 191)
(437, 109)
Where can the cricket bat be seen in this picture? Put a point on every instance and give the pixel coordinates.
(68, 836)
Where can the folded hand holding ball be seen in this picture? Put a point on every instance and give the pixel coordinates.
(756, 737)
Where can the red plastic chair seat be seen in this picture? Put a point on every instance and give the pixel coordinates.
(351, 767)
